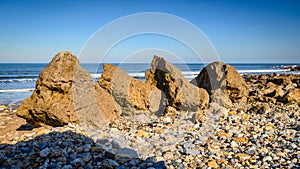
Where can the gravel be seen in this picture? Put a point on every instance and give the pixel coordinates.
(266, 138)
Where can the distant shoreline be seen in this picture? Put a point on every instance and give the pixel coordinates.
(17, 80)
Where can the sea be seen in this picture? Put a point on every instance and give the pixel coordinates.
(17, 80)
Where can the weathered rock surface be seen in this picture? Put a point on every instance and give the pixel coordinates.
(292, 96)
(260, 108)
(131, 94)
(293, 68)
(264, 136)
(65, 93)
(179, 92)
(273, 88)
(222, 81)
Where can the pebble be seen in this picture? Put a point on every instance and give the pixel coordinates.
(45, 152)
(192, 152)
(109, 155)
(267, 159)
(213, 164)
(67, 167)
(234, 144)
(110, 162)
(87, 157)
(126, 152)
(160, 165)
(241, 139)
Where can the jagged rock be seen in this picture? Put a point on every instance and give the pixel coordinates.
(276, 80)
(273, 90)
(265, 88)
(66, 93)
(281, 80)
(296, 68)
(132, 95)
(292, 96)
(297, 82)
(179, 92)
(262, 108)
(222, 81)
(293, 68)
(171, 112)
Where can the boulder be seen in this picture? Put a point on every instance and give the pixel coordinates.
(66, 93)
(292, 68)
(131, 94)
(292, 96)
(273, 90)
(281, 80)
(180, 94)
(295, 68)
(223, 83)
(260, 108)
(297, 81)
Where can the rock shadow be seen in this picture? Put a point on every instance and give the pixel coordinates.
(71, 150)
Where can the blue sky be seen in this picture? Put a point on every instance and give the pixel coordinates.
(241, 31)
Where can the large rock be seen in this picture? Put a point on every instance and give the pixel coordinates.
(272, 90)
(292, 96)
(65, 93)
(131, 94)
(292, 68)
(179, 92)
(223, 83)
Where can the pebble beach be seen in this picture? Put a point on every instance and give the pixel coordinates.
(150, 84)
(263, 133)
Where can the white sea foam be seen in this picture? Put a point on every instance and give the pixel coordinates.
(18, 80)
(191, 73)
(190, 77)
(16, 90)
(137, 75)
(262, 71)
(96, 75)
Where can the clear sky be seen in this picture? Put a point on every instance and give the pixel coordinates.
(241, 31)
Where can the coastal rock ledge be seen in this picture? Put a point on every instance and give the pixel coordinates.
(66, 93)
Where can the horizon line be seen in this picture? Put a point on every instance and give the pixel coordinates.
(150, 62)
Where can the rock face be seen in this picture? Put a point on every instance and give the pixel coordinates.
(132, 95)
(179, 92)
(271, 89)
(65, 93)
(292, 96)
(223, 82)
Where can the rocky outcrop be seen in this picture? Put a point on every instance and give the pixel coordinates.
(132, 95)
(179, 92)
(260, 108)
(272, 88)
(65, 93)
(292, 96)
(292, 68)
(223, 83)
(295, 68)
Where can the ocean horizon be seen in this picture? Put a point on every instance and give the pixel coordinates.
(17, 80)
